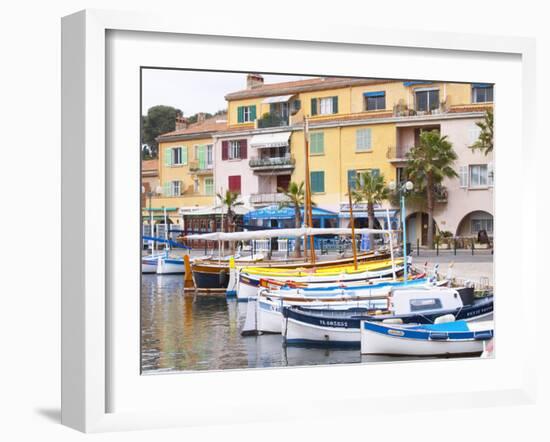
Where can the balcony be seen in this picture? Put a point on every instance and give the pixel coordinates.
(196, 168)
(267, 198)
(272, 120)
(397, 154)
(269, 164)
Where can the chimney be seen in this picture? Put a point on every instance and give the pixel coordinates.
(201, 116)
(181, 123)
(254, 81)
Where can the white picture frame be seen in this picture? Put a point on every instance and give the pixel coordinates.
(88, 317)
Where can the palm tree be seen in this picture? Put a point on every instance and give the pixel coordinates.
(485, 139)
(428, 164)
(295, 197)
(230, 199)
(371, 188)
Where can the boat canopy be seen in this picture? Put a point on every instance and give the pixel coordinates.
(282, 233)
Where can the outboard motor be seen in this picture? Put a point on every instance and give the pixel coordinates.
(466, 294)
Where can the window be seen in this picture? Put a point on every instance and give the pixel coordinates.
(400, 175)
(324, 106)
(234, 183)
(363, 140)
(479, 175)
(427, 100)
(317, 182)
(196, 187)
(175, 188)
(317, 143)
(375, 101)
(209, 153)
(482, 224)
(482, 93)
(352, 179)
(209, 186)
(175, 156)
(246, 114)
(234, 150)
(425, 304)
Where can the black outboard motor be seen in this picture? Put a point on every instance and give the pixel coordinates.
(466, 294)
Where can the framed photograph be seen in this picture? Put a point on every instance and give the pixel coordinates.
(296, 223)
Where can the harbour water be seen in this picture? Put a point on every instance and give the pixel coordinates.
(180, 333)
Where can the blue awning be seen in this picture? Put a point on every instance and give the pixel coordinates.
(374, 94)
(273, 212)
(413, 82)
(482, 85)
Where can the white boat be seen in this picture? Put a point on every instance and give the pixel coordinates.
(149, 263)
(264, 314)
(302, 326)
(444, 339)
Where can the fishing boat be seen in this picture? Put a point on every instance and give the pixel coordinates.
(206, 274)
(149, 263)
(250, 278)
(302, 326)
(264, 313)
(444, 339)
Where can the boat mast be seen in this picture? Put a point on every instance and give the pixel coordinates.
(307, 200)
(391, 242)
(352, 222)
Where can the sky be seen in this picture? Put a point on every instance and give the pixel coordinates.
(195, 91)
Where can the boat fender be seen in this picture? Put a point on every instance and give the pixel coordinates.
(392, 321)
(445, 318)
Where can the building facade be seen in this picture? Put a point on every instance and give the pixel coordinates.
(354, 125)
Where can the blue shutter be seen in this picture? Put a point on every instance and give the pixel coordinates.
(334, 105)
(317, 182)
(240, 114)
(252, 113)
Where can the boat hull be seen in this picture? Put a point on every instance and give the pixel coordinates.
(329, 328)
(170, 266)
(379, 339)
(206, 278)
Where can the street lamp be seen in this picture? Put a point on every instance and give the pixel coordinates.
(403, 189)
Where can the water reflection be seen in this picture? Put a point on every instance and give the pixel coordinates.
(203, 333)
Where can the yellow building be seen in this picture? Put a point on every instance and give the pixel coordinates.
(186, 174)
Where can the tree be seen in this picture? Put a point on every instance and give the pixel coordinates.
(485, 139)
(159, 120)
(230, 200)
(427, 165)
(295, 197)
(371, 188)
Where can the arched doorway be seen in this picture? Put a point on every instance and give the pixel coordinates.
(417, 228)
(473, 222)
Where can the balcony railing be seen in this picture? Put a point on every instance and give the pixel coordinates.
(397, 153)
(268, 198)
(200, 169)
(441, 194)
(272, 120)
(286, 162)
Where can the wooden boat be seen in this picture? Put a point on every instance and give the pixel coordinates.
(149, 263)
(264, 313)
(444, 339)
(205, 272)
(302, 326)
(249, 278)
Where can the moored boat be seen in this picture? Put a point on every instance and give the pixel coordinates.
(444, 339)
(302, 326)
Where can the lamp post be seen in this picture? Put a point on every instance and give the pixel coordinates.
(403, 189)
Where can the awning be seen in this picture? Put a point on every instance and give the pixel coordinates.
(482, 85)
(278, 139)
(415, 82)
(374, 94)
(381, 214)
(276, 212)
(278, 99)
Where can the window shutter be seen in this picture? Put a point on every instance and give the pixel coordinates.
(252, 113)
(243, 149)
(317, 182)
(234, 183)
(334, 105)
(490, 174)
(225, 148)
(314, 106)
(168, 157)
(296, 105)
(184, 155)
(166, 190)
(352, 175)
(463, 174)
(201, 151)
(240, 114)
